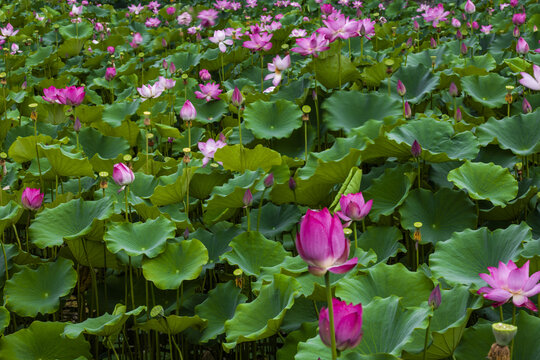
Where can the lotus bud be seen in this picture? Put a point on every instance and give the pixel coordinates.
(416, 25)
(269, 180)
(110, 73)
(435, 297)
(164, 42)
(457, 115)
(314, 95)
(433, 43)
(522, 47)
(248, 198)
(292, 184)
(188, 112)
(416, 149)
(110, 50)
(459, 35)
(407, 110)
(186, 234)
(204, 75)
(172, 68)
(453, 90)
(526, 106)
(237, 99)
(409, 42)
(32, 198)
(469, 7)
(401, 90)
(463, 49)
(165, 64)
(222, 138)
(122, 175)
(77, 124)
(516, 32)
(347, 324)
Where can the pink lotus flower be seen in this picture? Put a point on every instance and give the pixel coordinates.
(76, 10)
(50, 94)
(469, 7)
(221, 39)
(184, 18)
(401, 90)
(150, 91)
(8, 31)
(312, 45)
(486, 29)
(456, 23)
(321, 243)
(519, 18)
(526, 106)
(339, 27)
(222, 5)
(435, 15)
(135, 9)
(208, 17)
(72, 95)
(110, 49)
(277, 66)
(188, 112)
(154, 6)
(366, 28)
(522, 47)
(204, 75)
(530, 82)
(170, 10)
(209, 148)
(510, 282)
(122, 175)
(237, 99)
(260, 41)
(32, 198)
(353, 207)
(295, 33)
(208, 92)
(110, 73)
(136, 41)
(152, 22)
(165, 83)
(347, 325)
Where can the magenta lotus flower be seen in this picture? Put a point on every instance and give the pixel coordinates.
(237, 99)
(519, 18)
(208, 17)
(277, 66)
(321, 243)
(416, 149)
(401, 89)
(486, 29)
(32, 198)
(208, 92)
(110, 73)
(184, 18)
(260, 41)
(188, 112)
(122, 175)
(204, 75)
(510, 282)
(435, 15)
(221, 39)
(366, 28)
(170, 10)
(152, 22)
(50, 95)
(347, 324)
(110, 49)
(72, 95)
(353, 207)
(150, 91)
(522, 47)
(312, 45)
(339, 26)
(209, 148)
(8, 31)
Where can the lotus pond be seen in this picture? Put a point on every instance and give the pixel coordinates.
(270, 180)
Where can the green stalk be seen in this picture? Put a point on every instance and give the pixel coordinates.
(316, 100)
(222, 71)
(305, 139)
(5, 258)
(419, 177)
(427, 338)
(37, 156)
(339, 62)
(262, 71)
(361, 47)
(331, 315)
(17, 236)
(513, 323)
(113, 349)
(126, 199)
(260, 206)
(355, 236)
(248, 219)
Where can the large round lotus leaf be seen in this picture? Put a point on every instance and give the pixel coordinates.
(519, 133)
(64, 163)
(327, 69)
(24, 148)
(383, 240)
(77, 31)
(384, 281)
(488, 90)
(184, 59)
(419, 80)
(105, 325)
(78, 218)
(4, 319)
(173, 324)
(275, 119)
(447, 324)
(108, 147)
(236, 158)
(343, 109)
(216, 240)
(312, 193)
(116, 113)
(89, 253)
(209, 112)
(31, 292)
(262, 317)
(251, 251)
(9, 214)
(485, 182)
(477, 340)
(274, 219)
(218, 308)
(43, 340)
(437, 139)
(148, 238)
(440, 213)
(290, 347)
(469, 253)
(388, 191)
(179, 262)
(383, 339)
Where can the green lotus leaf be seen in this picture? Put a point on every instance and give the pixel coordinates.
(173, 324)
(4, 319)
(262, 317)
(470, 252)
(184, 60)
(328, 69)
(485, 182)
(205, 180)
(179, 262)
(290, 347)
(209, 112)
(519, 133)
(89, 253)
(447, 325)
(275, 119)
(441, 213)
(388, 191)
(24, 148)
(275, 219)
(77, 31)
(477, 65)
(515, 207)
(219, 307)
(9, 214)
(382, 339)
(351, 185)
(216, 241)
(79, 218)
(104, 325)
(237, 158)
(488, 90)
(342, 109)
(384, 281)
(419, 81)
(148, 238)
(478, 339)
(115, 114)
(64, 163)
(43, 340)
(518, 64)
(438, 140)
(31, 292)
(108, 147)
(42, 53)
(251, 251)
(175, 191)
(383, 240)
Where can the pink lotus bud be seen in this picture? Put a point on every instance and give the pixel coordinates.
(110, 49)
(122, 175)
(456, 23)
(458, 116)
(522, 47)
(292, 183)
(269, 180)
(172, 68)
(32, 198)
(204, 75)
(353, 207)
(409, 42)
(347, 325)
(165, 64)
(186, 234)
(110, 73)
(464, 49)
(222, 138)
(469, 7)
(327, 9)
(237, 99)
(416, 25)
(248, 198)
(77, 124)
(526, 106)
(459, 35)
(433, 43)
(188, 112)
(170, 10)
(435, 297)
(164, 42)
(416, 149)
(401, 90)
(519, 18)
(407, 111)
(516, 32)
(513, 3)
(453, 90)
(314, 95)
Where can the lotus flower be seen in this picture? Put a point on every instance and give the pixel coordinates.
(347, 324)
(50, 94)
(530, 82)
(8, 31)
(277, 66)
(469, 7)
(135, 9)
(188, 112)
(312, 45)
(150, 91)
(208, 92)
(353, 207)
(321, 243)
(110, 73)
(208, 17)
(209, 148)
(435, 297)
(510, 282)
(519, 18)
(260, 41)
(165, 83)
(32, 198)
(221, 39)
(184, 18)
(122, 175)
(237, 99)
(401, 90)
(205, 75)
(339, 27)
(522, 47)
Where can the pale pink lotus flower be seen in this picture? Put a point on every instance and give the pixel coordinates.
(122, 175)
(152, 22)
(208, 17)
(435, 15)
(208, 92)
(15, 49)
(76, 10)
(339, 27)
(469, 7)
(8, 31)
(184, 19)
(137, 40)
(260, 41)
(188, 112)
(221, 39)
(357, 4)
(209, 148)
(353, 207)
(222, 5)
(312, 45)
(277, 66)
(154, 6)
(486, 29)
(135, 9)
(38, 17)
(150, 91)
(366, 28)
(251, 3)
(522, 47)
(510, 282)
(235, 6)
(530, 82)
(204, 75)
(165, 83)
(456, 23)
(296, 33)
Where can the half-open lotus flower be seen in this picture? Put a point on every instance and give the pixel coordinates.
(527, 80)
(32, 198)
(353, 207)
(347, 324)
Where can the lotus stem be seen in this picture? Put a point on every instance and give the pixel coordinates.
(92, 276)
(5, 257)
(262, 71)
(248, 219)
(355, 236)
(126, 200)
(513, 323)
(113, 349)
(361, 47)
(424, 356)
(260, 209)
(222, 69)
(339, 62)
(17, 236)
(305, 140)
(330, 314)
(316, 101)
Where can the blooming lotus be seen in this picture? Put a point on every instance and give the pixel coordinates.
(32, 198)
(152, 22)
(435, 15)
(260, 41)
(366, 28)
(321, 243)
(208, 17)
(184, 18)
(277, 66)
(510, 282)
(135, 9)
(519, 18)
(150, 91)
(312, 45)
(110, 73)
(339, 26)
(486, 29)
(296, 33)
(209, 148)
(221, 39)
(165, 83)
(353, 207)
(8, 31)
(136, 41)
(347, 325)
(208, 92)
(76, 10)
(50, 95)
